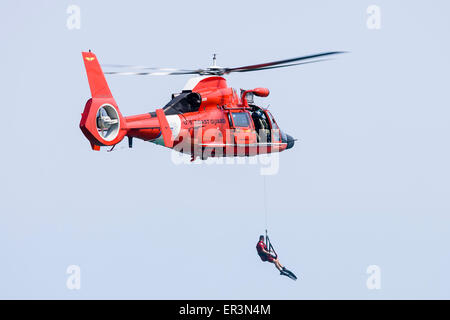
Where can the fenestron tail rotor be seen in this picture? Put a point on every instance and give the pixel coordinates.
(107, 122)
(219, 71)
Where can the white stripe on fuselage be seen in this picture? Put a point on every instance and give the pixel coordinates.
(175, 126)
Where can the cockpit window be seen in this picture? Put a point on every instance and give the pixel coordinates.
(274, 123)
(240, 119)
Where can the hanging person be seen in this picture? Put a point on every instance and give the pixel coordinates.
(267, 252)
(266, 255)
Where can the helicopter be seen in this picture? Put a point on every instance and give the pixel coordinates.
(206, 119)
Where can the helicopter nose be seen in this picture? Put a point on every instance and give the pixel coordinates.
(290, 141)
(285, 138)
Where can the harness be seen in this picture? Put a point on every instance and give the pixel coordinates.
(269, 246)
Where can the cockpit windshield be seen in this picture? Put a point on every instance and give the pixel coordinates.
(274, 123)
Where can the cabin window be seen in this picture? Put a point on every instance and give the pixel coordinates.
(274, 124)
(240, 119)
(275, 129)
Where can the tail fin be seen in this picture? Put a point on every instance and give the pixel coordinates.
(101, 121)
(97, 82)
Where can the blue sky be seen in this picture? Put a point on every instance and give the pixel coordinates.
(367, 183)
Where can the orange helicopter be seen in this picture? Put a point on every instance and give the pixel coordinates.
(206, 119)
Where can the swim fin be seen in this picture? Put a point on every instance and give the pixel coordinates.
(287, 273)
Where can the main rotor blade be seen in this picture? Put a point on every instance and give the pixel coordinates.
(135, 67)
(274, 63)
(154, 73)
(219, 71)
(283, 66)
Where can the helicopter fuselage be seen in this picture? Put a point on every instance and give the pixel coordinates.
(207, 119)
